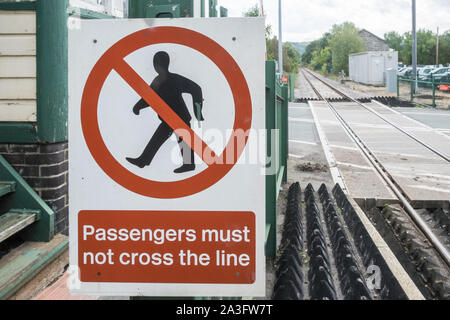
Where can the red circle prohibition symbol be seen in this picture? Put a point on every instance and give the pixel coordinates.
(113, 59)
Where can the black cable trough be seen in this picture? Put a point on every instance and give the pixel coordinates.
(425, 266)
(317, 261)
(389, 287)
(364, 98)
(350, 93)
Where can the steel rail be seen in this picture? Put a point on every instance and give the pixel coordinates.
(441, 249)
(437, 152)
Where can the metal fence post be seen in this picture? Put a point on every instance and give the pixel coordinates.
(434, 91)
(271, 179)
(285, 131)
(52, 70)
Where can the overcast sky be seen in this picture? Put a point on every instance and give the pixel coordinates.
(306, 20)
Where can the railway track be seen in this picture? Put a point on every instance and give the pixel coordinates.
(423, 235)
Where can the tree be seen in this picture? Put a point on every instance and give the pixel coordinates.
(321, 59)
(444, 48)
(426, 46)
(316, 45)
(291, 57)
(394, 40)
(272, 48)
(405, 53)
(344, 41)
(310, 49)
(252, 11)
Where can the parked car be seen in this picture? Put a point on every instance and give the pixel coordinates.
(425, 71)
(437, 74)
(406, 72)
(423, 75)
(446, 78)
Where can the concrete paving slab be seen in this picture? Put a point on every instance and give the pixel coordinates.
(435, 138)
(436, 119)
(303, 137)
(352, 169)
(420, 173)
(305, 148)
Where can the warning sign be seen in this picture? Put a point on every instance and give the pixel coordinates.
(171, 247)
(167, 129)
(164, 95)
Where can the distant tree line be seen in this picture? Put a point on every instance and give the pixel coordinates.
(330, 52)
(426, 46)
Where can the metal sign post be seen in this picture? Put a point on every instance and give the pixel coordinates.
(414, 45)
(280, 39)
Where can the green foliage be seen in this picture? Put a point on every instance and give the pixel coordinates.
(320, 44)
(332, 50)
(252, 11)
(321, 60)
(310, 49)
(394, 40)
(300, 46)
(344, 41)
(291, 57)
(272, 48)
(444, 48)
(426, 46)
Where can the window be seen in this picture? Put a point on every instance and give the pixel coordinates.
(117, 8)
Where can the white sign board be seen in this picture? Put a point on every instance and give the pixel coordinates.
(167, 157)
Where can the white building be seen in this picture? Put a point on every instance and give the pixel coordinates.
(370, 67)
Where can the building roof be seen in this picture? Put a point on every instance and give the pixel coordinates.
(364, 30)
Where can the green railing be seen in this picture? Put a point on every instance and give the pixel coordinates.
(426, 94)
(277, 99)
(24, 197)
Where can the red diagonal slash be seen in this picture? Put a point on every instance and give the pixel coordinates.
(113, 59)
(163, 110)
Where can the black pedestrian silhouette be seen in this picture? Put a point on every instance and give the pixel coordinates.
(170, 87)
